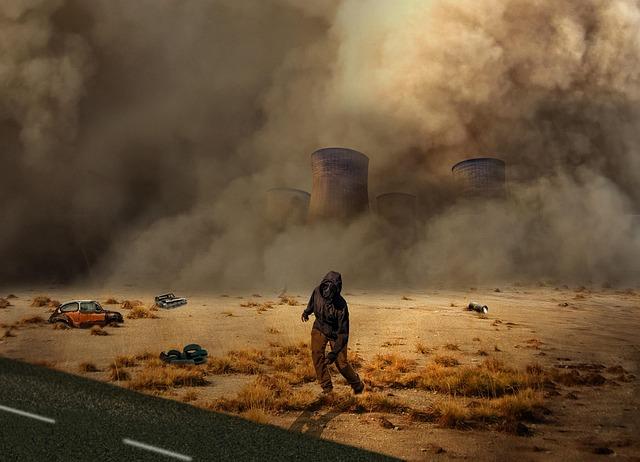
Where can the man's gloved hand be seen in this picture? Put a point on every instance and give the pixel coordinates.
(331, 357)
(305, 317)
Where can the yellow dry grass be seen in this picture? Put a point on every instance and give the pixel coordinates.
(88, 367)
(97, 330)
(153, 377)
(140, 312)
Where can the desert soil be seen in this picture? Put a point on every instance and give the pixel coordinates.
(554, 326)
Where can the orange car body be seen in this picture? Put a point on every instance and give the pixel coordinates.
(83, 313)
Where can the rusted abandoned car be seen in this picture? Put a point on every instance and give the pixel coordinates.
(83, 313)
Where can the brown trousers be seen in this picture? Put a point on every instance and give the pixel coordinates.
(318, 346)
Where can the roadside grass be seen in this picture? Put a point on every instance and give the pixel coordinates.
(88, 367)
(163, 377)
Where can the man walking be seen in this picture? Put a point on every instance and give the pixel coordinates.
(331, 326)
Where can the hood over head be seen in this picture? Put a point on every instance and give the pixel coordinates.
(331, 285)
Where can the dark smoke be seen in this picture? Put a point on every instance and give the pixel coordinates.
(139, 137)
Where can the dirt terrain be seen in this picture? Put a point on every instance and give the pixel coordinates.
(584, 339)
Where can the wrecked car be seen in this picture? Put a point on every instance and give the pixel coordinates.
(83, 313)
(169, 300)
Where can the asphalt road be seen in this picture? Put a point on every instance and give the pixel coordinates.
(49, 415)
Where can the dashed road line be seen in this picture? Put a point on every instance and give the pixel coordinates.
(158, 450)
(27, 414)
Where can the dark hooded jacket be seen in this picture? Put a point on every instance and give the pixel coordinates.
(330, 310)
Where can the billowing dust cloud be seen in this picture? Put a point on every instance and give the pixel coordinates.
(138, 138)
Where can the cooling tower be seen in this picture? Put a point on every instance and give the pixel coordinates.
(397, 208)
(481, 177)
(339, 190)
(286, 206)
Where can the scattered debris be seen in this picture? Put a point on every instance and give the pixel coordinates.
(191, 354)
(169, 300)
(478, 307)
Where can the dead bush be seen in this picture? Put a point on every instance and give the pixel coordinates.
(124, 361)
(117, 374)
(451, 347)
(446, 361)
(111, 301)
(130, 304)
(288, 300)
(40, 301)
(31, 320)
(97, 330)
(422, 348)
(4, 303)
(140, 312)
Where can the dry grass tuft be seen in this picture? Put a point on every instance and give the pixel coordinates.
(10, 296)
(451, 347)
(255, 415)
(404, 297)
(228, 314)
(140, 312)
(88, 367)
(111, 301)
(422, 348)
(117, 374)
(273, 330)
(97, 330)
(163, 377)
(190, 396)
(8, 333)
(61, 326)
(130, 304)
(4, 303)
(40, 301)
(446, 361)
(249, 304)
(288, 300)
(144, 356)
(32, 320)
(256, 295)
(124, 361)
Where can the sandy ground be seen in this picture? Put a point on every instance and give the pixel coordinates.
(598, 326)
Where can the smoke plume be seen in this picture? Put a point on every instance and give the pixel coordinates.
(139, 138)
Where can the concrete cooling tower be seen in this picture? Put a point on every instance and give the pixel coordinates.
(339, 190)
(482, 177)
(286, 206)
(397, 208)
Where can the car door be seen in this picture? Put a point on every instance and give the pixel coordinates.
(71, 311)
(92, 313)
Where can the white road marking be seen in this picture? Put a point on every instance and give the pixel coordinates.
(148, 447)
(27, 414)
